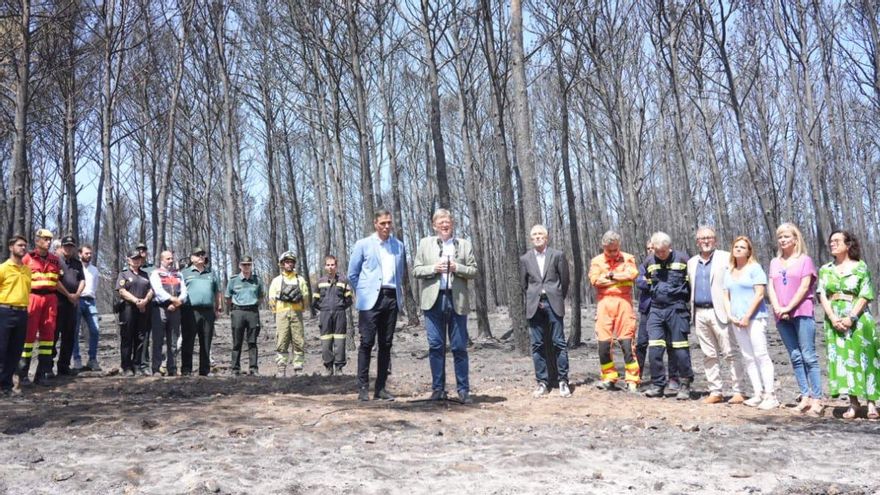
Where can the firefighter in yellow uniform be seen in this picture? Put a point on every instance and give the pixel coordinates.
(613, 273)
(288, 296)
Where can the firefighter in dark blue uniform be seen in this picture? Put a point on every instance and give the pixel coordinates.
(669, 316)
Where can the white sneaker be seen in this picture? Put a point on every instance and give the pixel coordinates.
(769, 403)
(754, 401)
(563, 390)
(540, 390)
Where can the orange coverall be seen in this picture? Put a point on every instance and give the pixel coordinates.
(613, 279)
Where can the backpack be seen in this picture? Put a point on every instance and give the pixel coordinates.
(290, 293)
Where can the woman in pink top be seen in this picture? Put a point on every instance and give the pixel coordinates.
(791, 288)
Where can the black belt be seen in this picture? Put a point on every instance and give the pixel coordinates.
(14, 308)
(704, 306)
(387, 291)
(250, 307)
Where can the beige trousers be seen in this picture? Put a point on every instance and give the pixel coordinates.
(716, 342)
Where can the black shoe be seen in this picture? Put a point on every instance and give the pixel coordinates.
(67, 372)
(684, 391)
(438, 395)
(254, 372)
(465, 397)
(363, 395)
(41, 378)
(383, 395)
(654, 392)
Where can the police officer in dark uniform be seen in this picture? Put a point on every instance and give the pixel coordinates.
(135, 294)
(68, 305)
(332, 299)
(669, 316)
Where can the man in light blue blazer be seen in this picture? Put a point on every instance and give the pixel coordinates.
(376, 273)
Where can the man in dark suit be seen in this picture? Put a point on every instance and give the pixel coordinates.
(544, 273)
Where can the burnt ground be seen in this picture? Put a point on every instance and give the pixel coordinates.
(104, 433)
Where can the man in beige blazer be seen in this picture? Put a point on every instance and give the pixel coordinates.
(706, 275)
(444, 264)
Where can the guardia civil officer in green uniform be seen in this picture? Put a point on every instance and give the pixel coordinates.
(203, 305)
(243, 294)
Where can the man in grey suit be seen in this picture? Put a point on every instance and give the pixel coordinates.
(544, 274)
(444, 264)
(706, 275)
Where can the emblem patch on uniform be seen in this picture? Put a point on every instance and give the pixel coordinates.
(122, 283)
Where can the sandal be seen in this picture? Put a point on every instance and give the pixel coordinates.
(816, 409)
(849, 414)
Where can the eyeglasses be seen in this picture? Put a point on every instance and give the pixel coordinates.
(784, 277)
(706, 238)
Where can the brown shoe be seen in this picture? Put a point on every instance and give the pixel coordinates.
(737, 399)
(713, 399)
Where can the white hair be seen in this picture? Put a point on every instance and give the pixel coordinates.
(538, 228)
(610, 237)
(661, 239)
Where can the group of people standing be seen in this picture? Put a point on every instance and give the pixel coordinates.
(726, 297)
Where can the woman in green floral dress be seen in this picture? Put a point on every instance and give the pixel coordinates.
(845, 290)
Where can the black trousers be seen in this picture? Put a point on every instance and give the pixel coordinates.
(196, 321)
(333, 332)
(245, 327)
(377, 324)
(65, 329)
(13, 328)
(134, 327)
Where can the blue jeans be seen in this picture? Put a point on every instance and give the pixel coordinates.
(441, 320)
(799, 336)
(88, 311)
(543, 318)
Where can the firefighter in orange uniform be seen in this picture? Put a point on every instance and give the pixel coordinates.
(613, 273)
(42, 308)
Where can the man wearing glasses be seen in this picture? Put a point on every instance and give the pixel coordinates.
(706, 275)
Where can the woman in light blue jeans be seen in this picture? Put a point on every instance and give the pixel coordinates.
(792, 284)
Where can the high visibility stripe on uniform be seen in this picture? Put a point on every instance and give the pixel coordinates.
(340, 284)
(678, 266)
(653, 267)
(46, 347)
(339, 336)
(609, 372)
(28, 350)
(632, 372)
(329, 336)
(323, 285)
(680, 344)
(657, 343)
(627, 283)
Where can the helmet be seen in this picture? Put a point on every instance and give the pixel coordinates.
(287, 255)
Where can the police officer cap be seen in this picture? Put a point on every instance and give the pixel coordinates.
(141, 245)
(288, 255)
(135, 253)
(68, 241)
(197, 250)
(246, 260)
